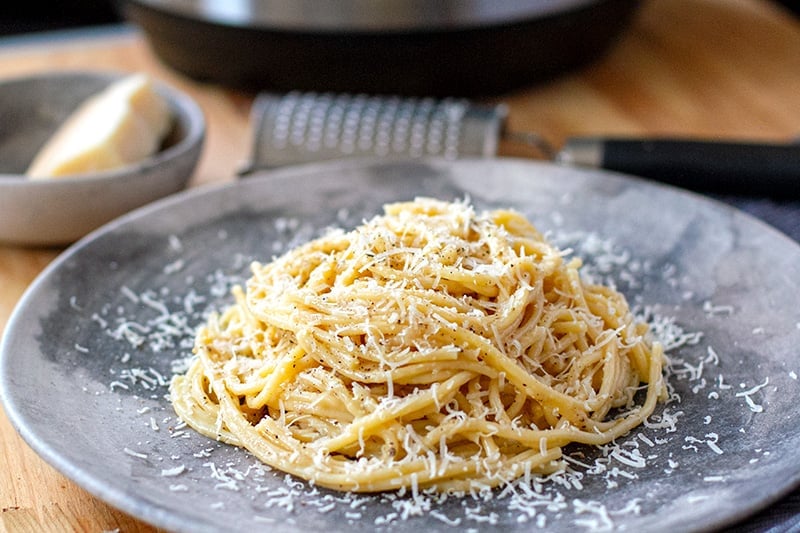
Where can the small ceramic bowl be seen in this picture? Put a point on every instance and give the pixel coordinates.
(60, 211)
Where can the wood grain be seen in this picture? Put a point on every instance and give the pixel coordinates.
(710, 68)
(716, 69)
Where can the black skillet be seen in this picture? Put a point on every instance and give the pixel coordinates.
(410, 47)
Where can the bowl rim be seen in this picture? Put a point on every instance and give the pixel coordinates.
(183, 106)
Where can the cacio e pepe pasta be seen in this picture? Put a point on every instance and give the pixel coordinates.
(432, 346)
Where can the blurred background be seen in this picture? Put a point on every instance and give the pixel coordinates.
(41, 15)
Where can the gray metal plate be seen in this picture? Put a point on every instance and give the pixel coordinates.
(84, 354)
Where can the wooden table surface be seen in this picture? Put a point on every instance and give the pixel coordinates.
(711, 68)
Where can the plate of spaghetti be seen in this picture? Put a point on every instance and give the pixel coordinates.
(442, 345)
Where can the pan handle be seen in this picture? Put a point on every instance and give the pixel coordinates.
(761, 169)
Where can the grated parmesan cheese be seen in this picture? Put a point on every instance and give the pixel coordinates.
(154, 320)
(172, 472)
(132, 453)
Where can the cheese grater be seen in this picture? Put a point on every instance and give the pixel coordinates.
(301, 127)
(304, 127)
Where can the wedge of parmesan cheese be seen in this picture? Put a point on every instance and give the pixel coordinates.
(123, 124)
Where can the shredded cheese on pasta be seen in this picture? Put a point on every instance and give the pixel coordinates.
(432, 346)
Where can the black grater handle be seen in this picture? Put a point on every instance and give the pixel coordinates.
(728, 167)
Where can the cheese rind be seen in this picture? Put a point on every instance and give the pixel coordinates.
(123, 124)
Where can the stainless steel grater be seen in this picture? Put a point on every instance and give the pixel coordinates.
(304, 127)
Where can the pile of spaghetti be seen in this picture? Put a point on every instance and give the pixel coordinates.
(432, 346)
